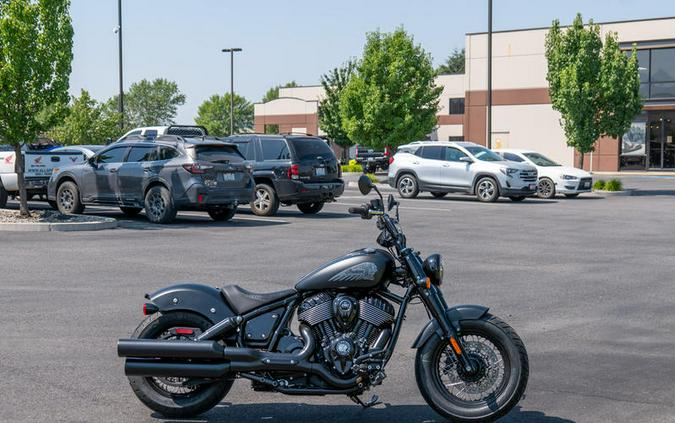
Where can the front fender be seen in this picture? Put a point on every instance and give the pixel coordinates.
(456, 315)
(201, 299)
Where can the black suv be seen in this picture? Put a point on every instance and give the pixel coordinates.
(290, 169)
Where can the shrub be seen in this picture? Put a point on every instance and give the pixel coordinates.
(614, 185)
(599, 185)
(352, 167)
(372, 178)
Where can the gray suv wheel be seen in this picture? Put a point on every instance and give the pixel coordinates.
(487, 190)
(159, 206)
(407, 186)
(68, 198)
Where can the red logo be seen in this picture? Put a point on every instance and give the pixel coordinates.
(9, 159)
(38, 159)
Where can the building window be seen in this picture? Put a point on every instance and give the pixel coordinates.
(456, 138)
(657, 72)
(456, 106)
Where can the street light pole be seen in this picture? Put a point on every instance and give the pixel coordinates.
(231, 51)
(120, 105)
(489, 76)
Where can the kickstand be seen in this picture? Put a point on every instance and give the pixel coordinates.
(374, 400)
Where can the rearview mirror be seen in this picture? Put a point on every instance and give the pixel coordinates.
(365, 185)
(465, 159)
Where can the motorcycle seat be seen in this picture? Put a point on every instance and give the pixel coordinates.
(243, 301)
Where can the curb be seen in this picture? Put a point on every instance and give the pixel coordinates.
(107, 223)
(624, 193)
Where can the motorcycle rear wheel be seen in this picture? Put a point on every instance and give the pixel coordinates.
(486, 395)
(173, 397)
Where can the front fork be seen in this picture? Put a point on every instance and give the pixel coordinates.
(433, 299)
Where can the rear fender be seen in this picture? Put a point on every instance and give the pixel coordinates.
(456, 315)
(200, 299)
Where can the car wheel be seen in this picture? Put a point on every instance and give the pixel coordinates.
(487, 190)
(222, 214)
(439, 194)
(265, 202)
(159, 206)
(407, 186)
(130, 211)
(571, 195)
(517, 198)
(545, 188)
(68, 198)
(3, 196)
(310, 208)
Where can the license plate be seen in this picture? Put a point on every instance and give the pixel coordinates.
(533, 186)
(587, 184)
(228, 177)
(320, 171)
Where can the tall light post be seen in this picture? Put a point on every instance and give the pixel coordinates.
(489, 76)
(118, 31)
(231, 51)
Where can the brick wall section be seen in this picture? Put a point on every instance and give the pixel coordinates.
(605, 156)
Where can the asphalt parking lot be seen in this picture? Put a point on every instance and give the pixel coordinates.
(587, 283)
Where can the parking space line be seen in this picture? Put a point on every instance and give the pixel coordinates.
(402, 207)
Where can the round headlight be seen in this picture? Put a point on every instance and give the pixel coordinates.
(433, 267)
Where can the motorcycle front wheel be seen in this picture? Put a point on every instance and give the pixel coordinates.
(170, 396)
(502, 369)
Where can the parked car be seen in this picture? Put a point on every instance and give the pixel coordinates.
(290, 170)
(170, 174)
(440, 167)
(372, 159)
(554, 178)
(38, 167)
(152, 132)
(85, 150)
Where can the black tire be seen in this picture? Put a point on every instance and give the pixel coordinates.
(159, 207)
(152, 391)
(222, 214)
(310, 208)
(68, 198)
(407, 186)
(545, 189)
(439, 194)
(130, 211)
(508, 389)
(265, 201)
(3, 196)
(487, 190)
(571, 195)
(517, 198)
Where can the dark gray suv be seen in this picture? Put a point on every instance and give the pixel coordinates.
(162, 176)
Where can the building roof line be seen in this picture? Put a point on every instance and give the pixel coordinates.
(291, 98)
(665, 18)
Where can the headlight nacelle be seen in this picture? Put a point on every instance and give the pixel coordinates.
(433, 268)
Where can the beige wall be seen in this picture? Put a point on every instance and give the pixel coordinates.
(312, 92)
(531, 126)
(445, 131)
(453, 87)
(285, 106)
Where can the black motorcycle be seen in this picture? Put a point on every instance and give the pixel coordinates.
(196, 340)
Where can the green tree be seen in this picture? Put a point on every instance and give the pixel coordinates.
(214, 114)
(330, 117)
(391, 99)
(594, 87)
(86, 122)
(150, 103)
(454, 63)
(36, 44)
(273, 93)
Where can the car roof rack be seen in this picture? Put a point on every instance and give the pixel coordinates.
(187, 130)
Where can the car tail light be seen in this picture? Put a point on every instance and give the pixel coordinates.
(391, 159)
(294, 172)
(197, 168)
(149, 308)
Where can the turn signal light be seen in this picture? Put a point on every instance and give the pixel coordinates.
(455, 346)
(149, 308)
(427, 283)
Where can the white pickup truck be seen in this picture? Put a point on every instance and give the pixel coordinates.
(38, 166)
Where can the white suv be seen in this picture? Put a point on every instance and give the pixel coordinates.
(554, 178)
(441, 167)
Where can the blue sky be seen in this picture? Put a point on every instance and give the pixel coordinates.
(286, 40)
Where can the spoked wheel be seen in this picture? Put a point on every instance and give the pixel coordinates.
(487, 190)
(159, 206)
(265, 201)
(407, 186)
(545, 188)
(175, 396)
(492, 390)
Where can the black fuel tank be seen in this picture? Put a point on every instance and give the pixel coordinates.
(359, 269)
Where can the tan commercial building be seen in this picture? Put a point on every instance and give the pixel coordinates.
(522, 116)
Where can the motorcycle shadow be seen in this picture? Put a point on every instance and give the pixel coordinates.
(310, 413)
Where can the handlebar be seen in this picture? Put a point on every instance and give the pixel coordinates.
(363, 211)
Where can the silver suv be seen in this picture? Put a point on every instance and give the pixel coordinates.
(441, 167)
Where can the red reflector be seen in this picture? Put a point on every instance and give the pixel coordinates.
(184, 331)
(200, 198)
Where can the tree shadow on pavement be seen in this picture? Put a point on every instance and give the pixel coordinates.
(310, 413)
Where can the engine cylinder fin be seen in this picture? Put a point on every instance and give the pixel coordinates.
(373, 314)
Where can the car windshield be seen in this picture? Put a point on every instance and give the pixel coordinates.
(540, 160)
(310, 148)
(218, 154)
(483, 154)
